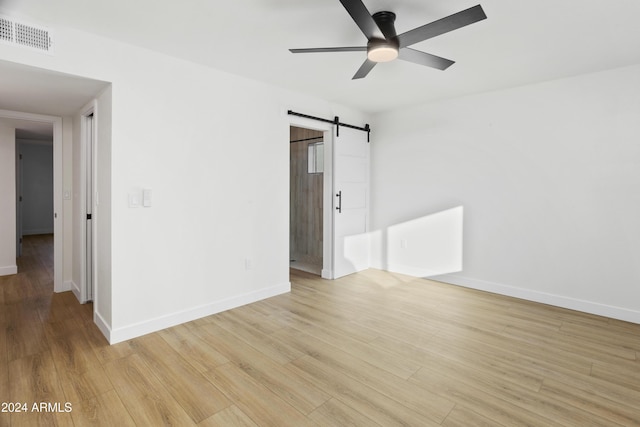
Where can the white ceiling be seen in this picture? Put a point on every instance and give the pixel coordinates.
(520, 42)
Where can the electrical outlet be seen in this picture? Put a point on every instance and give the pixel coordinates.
(248, 263)
(403, 243)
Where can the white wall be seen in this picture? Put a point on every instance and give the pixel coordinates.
(548, 177)
(423, 246)
(213, 148)
(37, 186)
(7, 200)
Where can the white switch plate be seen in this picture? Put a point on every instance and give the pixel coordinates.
(146, 198)
(134, 200)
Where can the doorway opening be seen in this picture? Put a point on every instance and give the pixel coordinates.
(306, 199)
(34, 181)
(37, 130)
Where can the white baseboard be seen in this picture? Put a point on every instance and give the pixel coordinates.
(544, 298)
(102, 325)
(417, 271)
(8, 270)
(73, 287)
(142, 328)
(64, 287)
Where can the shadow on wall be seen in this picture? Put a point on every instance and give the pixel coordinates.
(427, 246)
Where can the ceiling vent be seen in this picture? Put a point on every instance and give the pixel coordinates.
(25, 35)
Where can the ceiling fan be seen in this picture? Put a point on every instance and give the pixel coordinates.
(385, 45)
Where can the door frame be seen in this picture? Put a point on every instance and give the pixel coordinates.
(19, 184)
(58, 202)
(87, 195)
(327, 193)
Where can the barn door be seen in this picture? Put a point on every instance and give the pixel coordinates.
(351, 202)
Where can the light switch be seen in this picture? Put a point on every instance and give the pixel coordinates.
(146, 198)
(134, 200)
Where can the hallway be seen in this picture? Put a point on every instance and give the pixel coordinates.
(36, 325)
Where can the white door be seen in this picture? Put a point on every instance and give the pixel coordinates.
(88, 145)
(351, 202)
(19, 200)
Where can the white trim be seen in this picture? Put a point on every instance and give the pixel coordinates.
(73, 287)
(102, 325)
(142, 328)
(58, 207)
(89, 109)
(327, 205)
(8, 270)
(67, 286)
(327, 202)
(58, 201)
(543, 297)
(411, 270)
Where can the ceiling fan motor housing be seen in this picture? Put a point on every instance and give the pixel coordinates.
(385, 21)
(384, 50)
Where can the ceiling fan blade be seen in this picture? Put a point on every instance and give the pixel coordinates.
(423, 58)
(364, 69)
(441, 26)
(330, 49)
(363, 18)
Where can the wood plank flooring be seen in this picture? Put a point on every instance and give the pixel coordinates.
(371, 349)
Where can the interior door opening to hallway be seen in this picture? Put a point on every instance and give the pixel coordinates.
(39, 138)
(34, 181)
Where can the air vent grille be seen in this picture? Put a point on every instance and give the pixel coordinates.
(26, 35)
(36, 38)
(6, 30)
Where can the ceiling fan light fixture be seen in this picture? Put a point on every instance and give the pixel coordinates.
(382, 54)
(382, 51)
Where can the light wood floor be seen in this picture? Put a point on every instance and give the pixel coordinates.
(370, 349)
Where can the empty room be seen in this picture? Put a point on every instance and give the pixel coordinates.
(352, 212)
